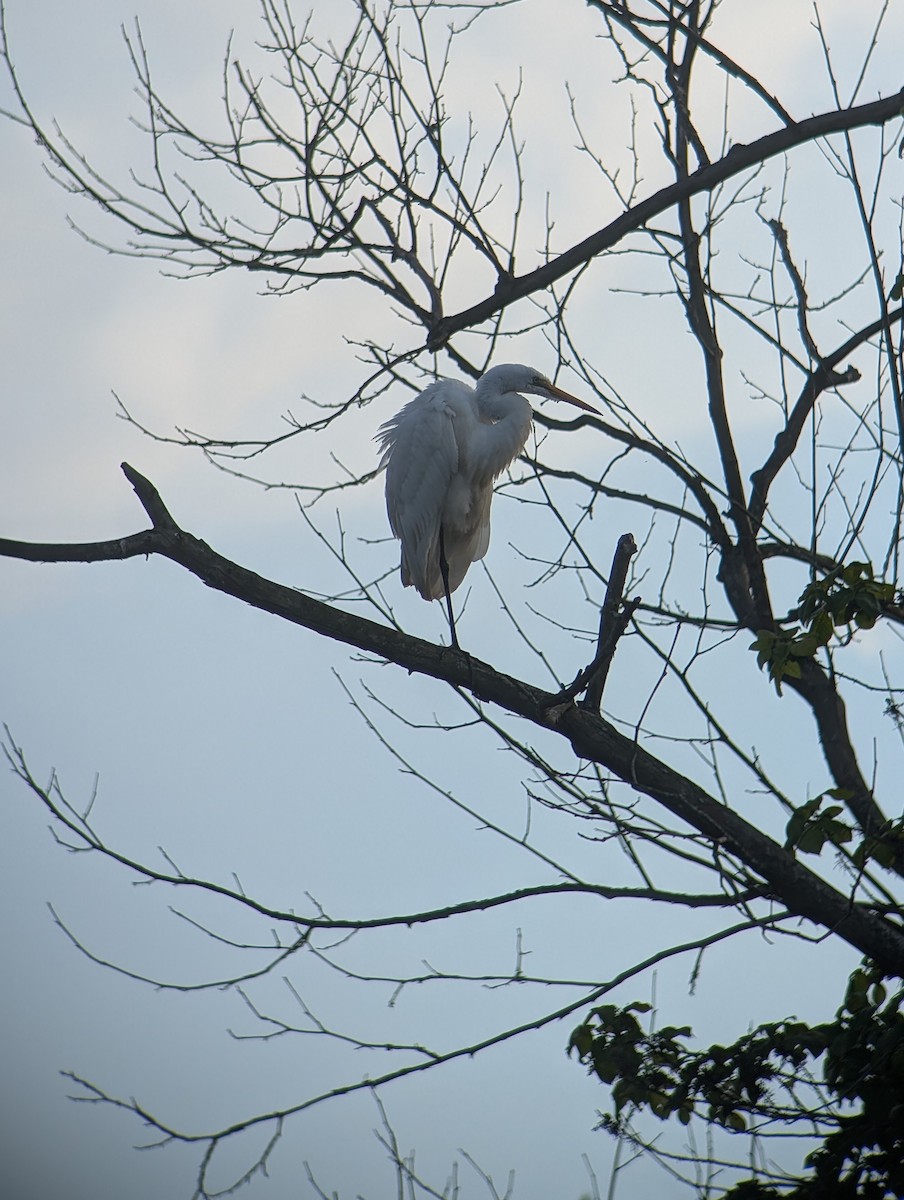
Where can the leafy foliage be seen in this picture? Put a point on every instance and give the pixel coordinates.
(809, 829)
(848, 598)
(850, 595)
(766, 1076)
(883, 847)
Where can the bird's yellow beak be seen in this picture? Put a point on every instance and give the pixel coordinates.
(558, 394)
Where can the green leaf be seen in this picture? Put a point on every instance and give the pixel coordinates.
(604, 1065)
(856, 1002)
(805, 647)
(812, 840)
(823, 628)
(659, 1104)
(581, 1040)
(839, 834)
(856, 571)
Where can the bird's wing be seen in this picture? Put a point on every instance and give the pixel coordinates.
(420, 454)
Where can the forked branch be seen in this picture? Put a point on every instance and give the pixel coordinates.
(592, 738)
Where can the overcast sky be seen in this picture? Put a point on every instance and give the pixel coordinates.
(220, 735)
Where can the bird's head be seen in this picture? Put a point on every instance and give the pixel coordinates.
(513, 377)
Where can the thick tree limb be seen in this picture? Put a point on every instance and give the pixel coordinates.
(740, 158)
(592, 737)
(819, 692)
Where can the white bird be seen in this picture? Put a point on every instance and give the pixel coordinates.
(442, 453)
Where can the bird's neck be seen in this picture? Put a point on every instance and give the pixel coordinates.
(508, 416)
(494, 405)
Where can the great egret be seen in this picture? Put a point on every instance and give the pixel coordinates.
(442, 453)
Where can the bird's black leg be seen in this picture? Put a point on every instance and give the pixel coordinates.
(444, 571)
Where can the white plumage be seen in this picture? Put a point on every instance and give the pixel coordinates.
(442, 454)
